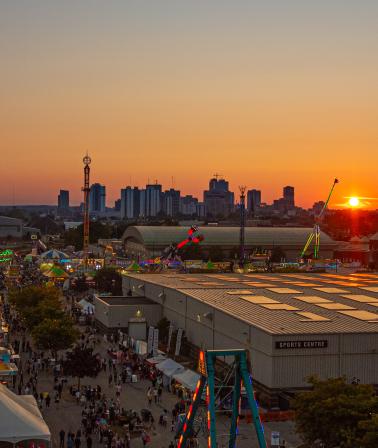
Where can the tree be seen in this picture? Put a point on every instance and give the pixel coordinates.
(74, 237)
(163, 327)
(31, 296)
(81, 362)
(216, 254)
(55, 334)
(109, 280)
(332, 411)
(370, 428)
(277, 254)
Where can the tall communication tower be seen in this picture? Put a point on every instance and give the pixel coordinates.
(242, 189)
(87, 161)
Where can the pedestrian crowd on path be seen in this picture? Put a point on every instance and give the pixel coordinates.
(101, 410)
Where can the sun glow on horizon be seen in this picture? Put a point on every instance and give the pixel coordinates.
(354, 201)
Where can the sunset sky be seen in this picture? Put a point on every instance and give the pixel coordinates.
(267, 93)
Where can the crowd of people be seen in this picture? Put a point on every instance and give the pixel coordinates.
(104, 419)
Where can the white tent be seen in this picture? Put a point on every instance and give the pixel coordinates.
(20, 418)
(156, 359)
(188, 379)
(170, 367)
(87, 306)
(54, 254)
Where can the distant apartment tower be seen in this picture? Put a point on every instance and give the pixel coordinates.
(64, 199)
(153, 200)
(253, 200)
(219, 201)
(288, 195)
(171, 202)
(130, 202)
(188, 205)
(97, 196)
(117, 205)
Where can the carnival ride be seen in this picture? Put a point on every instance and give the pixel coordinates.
(169, 256)
(316, 230)
(240, 372)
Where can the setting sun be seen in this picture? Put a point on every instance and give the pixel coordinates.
(354, 202)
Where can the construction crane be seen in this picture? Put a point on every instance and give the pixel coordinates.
(316, 230)
(206, 387)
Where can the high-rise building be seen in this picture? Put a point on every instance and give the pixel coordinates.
(97, 197)
(288, 195)
(253, 200)
(130, 202)
(219, 201)
(64, 199)
(153, 199)
(171, 202)
(188, 205)
(117, 205)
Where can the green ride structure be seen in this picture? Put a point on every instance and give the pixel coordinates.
(206, 384)
(316, 230)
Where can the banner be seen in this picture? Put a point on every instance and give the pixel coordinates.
(155, 344)
(178, 341)
(169, 337)
(150, 339)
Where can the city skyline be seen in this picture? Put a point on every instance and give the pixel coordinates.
(267, 96)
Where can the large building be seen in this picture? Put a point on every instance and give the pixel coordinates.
(294, 325)
(171, 202)
(288, 196)
(253, 201)
(15, 228)
(153, 200)
(97, 198)
(130, 203)
(218, 199)
(146, 241)
(64, 199)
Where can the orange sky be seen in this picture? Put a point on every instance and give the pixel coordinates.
(265, 96)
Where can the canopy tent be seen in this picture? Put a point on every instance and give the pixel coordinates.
(170, 367)
(54, 254)
(87, 306)
(156, 359)
(20, 418)
(134, 266)
(188, 378)
(56, 272)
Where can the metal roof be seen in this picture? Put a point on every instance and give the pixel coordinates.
(225, 236)
(278, 321)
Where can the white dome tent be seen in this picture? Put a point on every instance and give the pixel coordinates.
(20, 419)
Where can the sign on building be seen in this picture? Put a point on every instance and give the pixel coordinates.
(301, 344)
(150, 339)
(178, 341)
(170, 331)
(155, 344)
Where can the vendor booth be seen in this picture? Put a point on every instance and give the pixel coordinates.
(169, 368)
(187, 378)
(21, 423)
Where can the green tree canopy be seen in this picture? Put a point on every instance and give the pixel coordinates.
(332, 412)
(81, 362)
(31, 296)
(74, 237)
(370, 429)
(55, 334)
(109, 280)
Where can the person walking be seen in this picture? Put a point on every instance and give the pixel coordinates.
(62, 435)
(89, 441)
(155, 392)
(47, 400)
(149, 396)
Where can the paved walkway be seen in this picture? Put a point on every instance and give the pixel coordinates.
(67, 414)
